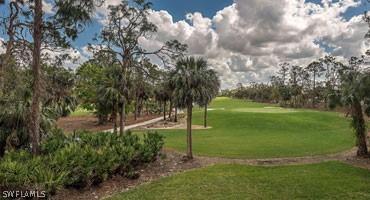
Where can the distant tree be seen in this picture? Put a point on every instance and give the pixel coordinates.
(145, 77)
(332, 79)
(316, 69)
(284, 72)
(90, 76)
(108, 93)
(295, 83)
(211, 90)
(59, 90)
(163, 95)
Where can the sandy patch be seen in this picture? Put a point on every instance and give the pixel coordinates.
(90, 123)
(168, 125)
(212, 109)
(265, 110)
(180, 127)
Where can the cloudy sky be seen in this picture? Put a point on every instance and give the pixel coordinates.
(245, 40)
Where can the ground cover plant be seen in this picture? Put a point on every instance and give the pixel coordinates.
(331, 180)
(78, 160)
(244, 129)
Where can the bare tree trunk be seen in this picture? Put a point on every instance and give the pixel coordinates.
(164, 110)
(36, 86)
(140, 108)
(114, 117)
(170, 112)
(205, 115)
(122, 117)
(136, 108)
(176, 114)
(147, 108)
(189, 136)
(313, 91)
(360, 127)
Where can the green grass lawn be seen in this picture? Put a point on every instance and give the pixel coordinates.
(242, 129)
(331, 180)
(80, 112)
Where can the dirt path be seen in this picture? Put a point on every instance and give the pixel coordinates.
(140, 124)
(342, 156)
(90, 123)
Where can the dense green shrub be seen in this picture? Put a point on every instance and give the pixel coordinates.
(14, 169)
(54, 142)
(78, 160)
(153, 143)
(20, 170)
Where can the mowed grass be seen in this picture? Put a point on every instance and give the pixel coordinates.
(81, 112)
(331, 180)
(242, 129)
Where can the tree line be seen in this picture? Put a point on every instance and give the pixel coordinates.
(324, 83)
(297, 86)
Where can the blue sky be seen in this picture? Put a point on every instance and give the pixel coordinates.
(179, 8)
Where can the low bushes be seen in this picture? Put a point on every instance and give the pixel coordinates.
(79, 160)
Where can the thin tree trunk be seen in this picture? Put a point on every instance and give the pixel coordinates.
(189, 136)
(114, 117)
(122, 117)
(36, 86)
(170, 112)
(136, 108)
(360, 127)
(140, 107)
(313, 91)
(205, 115)
(175, 113)
(164, 110)
(125, 65)
(147, 108)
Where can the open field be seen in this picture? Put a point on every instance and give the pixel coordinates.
(330, 180)
(242, 129)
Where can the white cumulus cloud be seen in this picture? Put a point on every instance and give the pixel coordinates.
(247, 40)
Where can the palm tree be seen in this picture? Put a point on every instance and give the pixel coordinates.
(355, 94)
(162, 95)
(190, 84)
(110, 93)
(210, 91)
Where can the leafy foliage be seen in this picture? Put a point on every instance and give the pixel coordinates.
(79, 160)
(190, 83)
